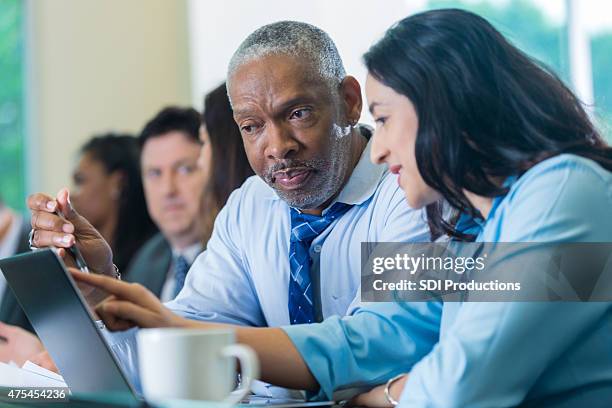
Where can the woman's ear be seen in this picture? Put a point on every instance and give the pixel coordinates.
(118, 181)
(350, 92)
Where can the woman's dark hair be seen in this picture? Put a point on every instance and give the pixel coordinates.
(119, 152)
(230, 166)
(486, 110)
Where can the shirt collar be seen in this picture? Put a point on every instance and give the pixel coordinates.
(363, 181)
(190, 253)
(508, 183)
(361, 184)
(474, 226)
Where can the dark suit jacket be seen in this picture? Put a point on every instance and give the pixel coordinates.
(150, 265)
(10, 311)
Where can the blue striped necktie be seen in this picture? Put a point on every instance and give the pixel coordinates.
(304, 229)
(181, 267)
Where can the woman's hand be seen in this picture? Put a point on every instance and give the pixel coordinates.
(129, 304)
(62, 232)
(376, 396)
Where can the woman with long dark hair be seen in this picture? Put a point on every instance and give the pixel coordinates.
(463, 117)
(108, 193)
(223, 156)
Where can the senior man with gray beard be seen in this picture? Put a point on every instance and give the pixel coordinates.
(286, 249)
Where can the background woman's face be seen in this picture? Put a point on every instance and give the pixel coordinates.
(96, 193)
(394, 140)
(205, 158)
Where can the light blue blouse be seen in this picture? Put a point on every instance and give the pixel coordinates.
(488, 354)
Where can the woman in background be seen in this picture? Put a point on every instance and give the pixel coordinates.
(108, 193)
(223, 157)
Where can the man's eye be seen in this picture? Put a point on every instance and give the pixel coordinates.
(152, 174)
(186, 169)
(248, 129)
(300, 113)
(78, 180)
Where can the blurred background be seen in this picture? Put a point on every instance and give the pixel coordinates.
(73, 68)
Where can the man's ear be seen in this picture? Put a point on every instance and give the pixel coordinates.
(350, 92)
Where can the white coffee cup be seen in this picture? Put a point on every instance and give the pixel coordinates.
(194, 364)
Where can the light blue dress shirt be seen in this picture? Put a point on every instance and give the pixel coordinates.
(488, 354)
(243, 276)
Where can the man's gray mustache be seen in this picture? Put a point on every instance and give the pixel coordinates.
(269, 173)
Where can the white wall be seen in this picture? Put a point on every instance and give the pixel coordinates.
(217, 28)
(94, 66)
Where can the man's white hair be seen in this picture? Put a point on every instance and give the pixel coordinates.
(293, 38)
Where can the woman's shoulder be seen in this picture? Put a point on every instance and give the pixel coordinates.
(569, 167)
(563, 176)
(566, 197)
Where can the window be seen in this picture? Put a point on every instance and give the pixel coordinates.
(598, 21)
(12, 137)
(539, 32)
(540, 28)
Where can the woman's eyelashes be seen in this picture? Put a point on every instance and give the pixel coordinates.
(380, 120)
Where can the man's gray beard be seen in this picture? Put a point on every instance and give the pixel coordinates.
(330, 176)
(311, 199)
